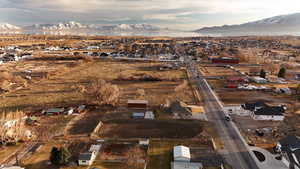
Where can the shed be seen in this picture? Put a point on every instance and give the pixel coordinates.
(54, 111)
(138, 115)
(137, 104)
(149, 115)
(181, 153)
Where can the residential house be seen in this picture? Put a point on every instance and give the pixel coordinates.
(86, 159)
(137, 104)
(269, 113)
(289, 148)
(262, 111)
(182, 158)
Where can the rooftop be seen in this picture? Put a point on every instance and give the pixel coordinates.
(137, 102)
(181, 151)
(85, 156)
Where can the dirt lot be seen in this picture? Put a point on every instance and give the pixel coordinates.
(248, 126)
(151, 129)
(217, 71)
(232, 96)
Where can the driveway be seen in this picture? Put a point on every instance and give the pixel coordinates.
(270, 162)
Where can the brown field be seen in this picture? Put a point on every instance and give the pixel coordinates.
(151, 129)
(233, 96)
(60, 86)
(218, 71)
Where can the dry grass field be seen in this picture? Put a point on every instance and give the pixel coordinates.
(160, 151)
(152, 129)
(59, 87)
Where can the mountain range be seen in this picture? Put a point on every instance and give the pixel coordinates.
(76, 26)
(7, 26)
(278, 25)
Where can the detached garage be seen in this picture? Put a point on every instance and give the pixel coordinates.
(181, 153)
(137, 104)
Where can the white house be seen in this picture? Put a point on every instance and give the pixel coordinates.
(86, 159)
(181, 153)
(262, 111)
(289, 148)
(257, 79)
(268, 113)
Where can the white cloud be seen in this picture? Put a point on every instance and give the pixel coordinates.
(160, 10)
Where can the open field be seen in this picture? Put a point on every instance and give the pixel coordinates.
(60, 86)
(218, 71)
(151, 129)
(160, 152)
(232, 96)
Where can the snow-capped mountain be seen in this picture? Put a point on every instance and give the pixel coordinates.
(130, 27)
(278, 25)
(8, 27)
(72, 25)
(76, 28)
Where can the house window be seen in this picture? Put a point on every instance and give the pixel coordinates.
(83, 161)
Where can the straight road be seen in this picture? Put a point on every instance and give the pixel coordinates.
(235, 149)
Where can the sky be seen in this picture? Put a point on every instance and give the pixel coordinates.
(174, 14)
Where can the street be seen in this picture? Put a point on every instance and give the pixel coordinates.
(235, 150)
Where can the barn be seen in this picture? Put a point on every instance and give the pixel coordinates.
(137, 104)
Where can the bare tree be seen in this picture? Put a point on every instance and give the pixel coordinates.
(141, 93)
(103, 93)
(133, 158)
(12, 126)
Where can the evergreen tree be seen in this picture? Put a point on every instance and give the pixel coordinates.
(262, 73)
(64, 155)
(54, 157)
(281, 72)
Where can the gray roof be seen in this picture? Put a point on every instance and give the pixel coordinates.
(85, 156)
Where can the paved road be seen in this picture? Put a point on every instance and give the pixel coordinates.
(235, 150)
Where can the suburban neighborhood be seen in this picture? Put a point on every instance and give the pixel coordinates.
(99, 102)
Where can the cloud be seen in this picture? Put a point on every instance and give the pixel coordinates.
(184, 12)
